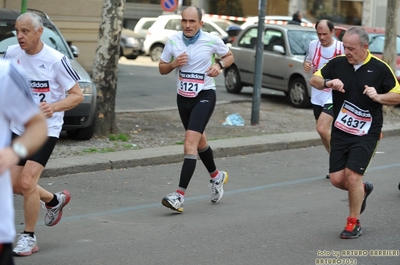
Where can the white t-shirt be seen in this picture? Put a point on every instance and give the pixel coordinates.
(318, 56)
(192, 77)
(50, 75)
(17, 105)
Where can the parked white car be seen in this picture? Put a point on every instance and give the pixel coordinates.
(167, 25)
(143, 25)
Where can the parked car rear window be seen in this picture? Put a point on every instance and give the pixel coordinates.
(377, 43)
(173, 24)
(299, 41)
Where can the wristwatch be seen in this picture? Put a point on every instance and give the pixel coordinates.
(326, 80)
(20, 150)
(221, 64)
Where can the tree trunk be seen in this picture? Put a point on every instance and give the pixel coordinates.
(390, 51)
(105, 66)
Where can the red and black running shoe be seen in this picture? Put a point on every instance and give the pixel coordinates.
(352, 229)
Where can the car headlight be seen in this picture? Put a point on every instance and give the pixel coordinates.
(87, 88)
(132, 41)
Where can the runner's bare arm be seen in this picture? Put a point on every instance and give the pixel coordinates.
(319, 83)
(166, 68)
(390, 98)
(75, 96)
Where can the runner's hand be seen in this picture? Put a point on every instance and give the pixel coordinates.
(46, 109)
(307, 66)
(371, 93)
(213, 70)
(182, 59)
(7, 158)
(336, 84)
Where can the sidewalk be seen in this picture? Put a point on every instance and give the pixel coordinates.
(174, 154)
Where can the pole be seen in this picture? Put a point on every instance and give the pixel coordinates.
(255, 110)
(24, 4)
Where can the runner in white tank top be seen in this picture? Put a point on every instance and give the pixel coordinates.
(319, 52)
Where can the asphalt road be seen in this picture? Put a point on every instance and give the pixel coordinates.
(142, 87)
(278, 208)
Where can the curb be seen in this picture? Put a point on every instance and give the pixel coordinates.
(174, 154)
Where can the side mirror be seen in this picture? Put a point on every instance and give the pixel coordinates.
(278, 49)
(75, 50)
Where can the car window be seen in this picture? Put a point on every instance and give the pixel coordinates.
(377, 44)
(223, 24)
(341, 33)
(50, 36)
(173, 24)
(273, 37)
(249, 39)
(209, 28)
(299, 41)
(147, 24)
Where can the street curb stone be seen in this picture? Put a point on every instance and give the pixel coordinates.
(174, 154)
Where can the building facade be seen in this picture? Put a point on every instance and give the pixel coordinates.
(79, 21)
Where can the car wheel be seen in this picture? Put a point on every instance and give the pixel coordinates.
(82, 134)
(298, 95)
(155, 52)
(233, 84)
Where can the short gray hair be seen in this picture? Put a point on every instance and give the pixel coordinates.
(198, 10)
(360, 31)
(36, 20)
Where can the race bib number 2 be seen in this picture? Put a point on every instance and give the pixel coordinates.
(41, 90)
(190, 84)
(353, 120)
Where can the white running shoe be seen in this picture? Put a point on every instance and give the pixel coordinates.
(54, 214)
(26, 245)
(217, 187)
(173, 201)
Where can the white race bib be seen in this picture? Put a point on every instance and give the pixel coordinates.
(41, 91)
(190, 84)
(353, 120)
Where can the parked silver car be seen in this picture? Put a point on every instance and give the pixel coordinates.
(131, 44)
(285, 47)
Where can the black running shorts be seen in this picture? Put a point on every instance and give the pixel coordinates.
(42, 156)
(354, 156)
(196, 112)
(327, 108)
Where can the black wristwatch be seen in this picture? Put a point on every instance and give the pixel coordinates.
(221, 64)
(326, 80)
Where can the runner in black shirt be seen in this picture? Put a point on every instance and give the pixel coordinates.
(361, 84)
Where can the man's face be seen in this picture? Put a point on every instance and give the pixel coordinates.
(353, 49)
(190, 22)
(28, 37)
(325, 35)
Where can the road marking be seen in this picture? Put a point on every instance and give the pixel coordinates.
(196, 198)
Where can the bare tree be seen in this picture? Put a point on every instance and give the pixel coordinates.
(105, 66)
(390, 48)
